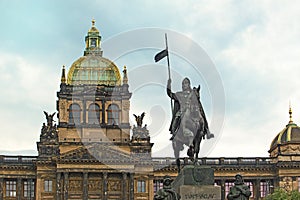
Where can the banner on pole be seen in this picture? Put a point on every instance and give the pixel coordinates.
(161, 55)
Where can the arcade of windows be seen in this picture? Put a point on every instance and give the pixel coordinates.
(264, 189)
(95, 114)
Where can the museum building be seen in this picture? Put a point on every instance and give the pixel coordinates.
(94, 153)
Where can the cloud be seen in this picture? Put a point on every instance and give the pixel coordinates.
(264, 59)
(255, 46)
(26, 87)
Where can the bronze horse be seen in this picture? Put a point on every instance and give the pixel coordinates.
(192, 129)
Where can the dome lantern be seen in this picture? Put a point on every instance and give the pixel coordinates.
(93, 41)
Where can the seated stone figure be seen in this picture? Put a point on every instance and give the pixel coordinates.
(239, 191)
(167, 192)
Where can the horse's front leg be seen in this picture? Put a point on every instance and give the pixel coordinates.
(197, 142)
(176, 149)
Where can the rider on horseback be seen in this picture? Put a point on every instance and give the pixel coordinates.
(182, 102)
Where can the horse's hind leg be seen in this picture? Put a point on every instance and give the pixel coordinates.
(176, 149)
(197, 148)
(178, 165)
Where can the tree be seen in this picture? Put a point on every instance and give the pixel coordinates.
(281, 194)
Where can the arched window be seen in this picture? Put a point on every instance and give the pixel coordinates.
(74, 114)
(94, 114)
(113, 114)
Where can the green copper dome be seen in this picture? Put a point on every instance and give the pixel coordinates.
(92, 68)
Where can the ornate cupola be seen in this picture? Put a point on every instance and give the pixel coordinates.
(93, 41)
(93, 101)
(287, 142)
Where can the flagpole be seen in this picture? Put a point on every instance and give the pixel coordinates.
(169, 71)
(168, 56)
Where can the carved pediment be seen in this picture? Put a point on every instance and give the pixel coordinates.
(97, 153)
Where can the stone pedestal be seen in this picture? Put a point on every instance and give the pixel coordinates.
(197, 183)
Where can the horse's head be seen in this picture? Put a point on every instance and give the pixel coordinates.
(195, 102)
(197, 91)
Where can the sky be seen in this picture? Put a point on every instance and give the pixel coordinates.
(244, 54)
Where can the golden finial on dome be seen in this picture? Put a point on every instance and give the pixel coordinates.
(93, 29)
(63, 75)
(290, 113)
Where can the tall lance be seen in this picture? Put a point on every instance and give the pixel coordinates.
(160, 56)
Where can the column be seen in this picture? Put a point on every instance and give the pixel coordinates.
(66, 185)
(103, 112)
(223, 189)
(19, 188)
(85, 185)
(84, 112)
(256, 189)
(131, 194)
(124, 188)
(1, 188)
(105, 186)
(58, 186)
(125, 112)
(31, 190)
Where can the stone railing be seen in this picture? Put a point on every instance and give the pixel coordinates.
(227, 161)
(17, 159)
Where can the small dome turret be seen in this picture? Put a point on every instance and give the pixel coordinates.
(290, 135)
(92, 68)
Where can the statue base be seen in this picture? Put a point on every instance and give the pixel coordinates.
(197, 182)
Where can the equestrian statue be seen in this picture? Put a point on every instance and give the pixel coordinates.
(189, 125)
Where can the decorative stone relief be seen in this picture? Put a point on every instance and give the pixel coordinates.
(63, 111)
(114, 185)
(95, 185)
(287, 183)
(126, 105)
(75, 185)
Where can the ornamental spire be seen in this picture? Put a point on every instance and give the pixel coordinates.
(63, 75)
(290, 113)
(125, 78)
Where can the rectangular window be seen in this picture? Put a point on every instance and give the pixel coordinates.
(11, 188)
(250, 185)
(29, 189)
(228, 185)
(48, 186)
(157, 184)
(263, 189)
(141, 186)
